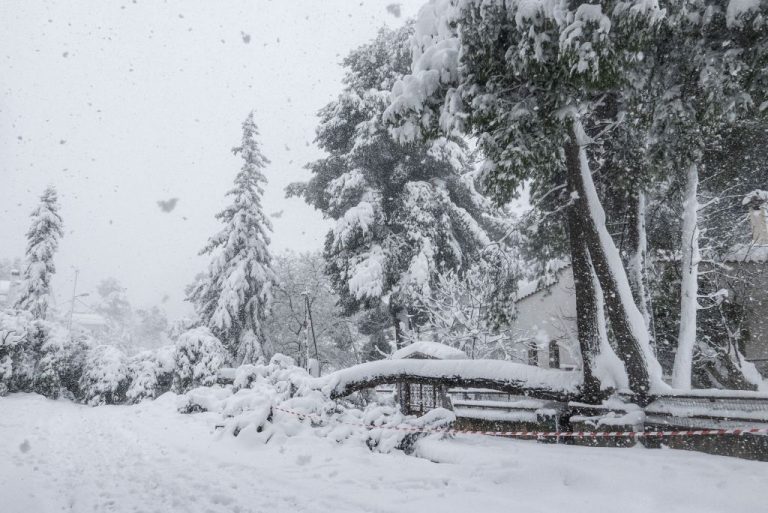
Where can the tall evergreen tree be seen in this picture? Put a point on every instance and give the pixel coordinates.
(534, 82)
(710, 72)
(235, 296)
(403, 212)
(42, 242)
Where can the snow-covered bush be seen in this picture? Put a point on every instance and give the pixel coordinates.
(21, 340)
(105, 376)
(151, 374)
(13, 337)
(61, 364)
(272, 402)
(199, 355)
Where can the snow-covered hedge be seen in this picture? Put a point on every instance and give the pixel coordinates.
(199, 355)
(61, 364)
(21, 340)
(13, 338)
(105, 376)
(151, 374)
(278, 400)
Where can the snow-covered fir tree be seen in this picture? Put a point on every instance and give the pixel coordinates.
(531, 80)
(403, 212)
(42, 242)
(233, 299)
(709, 74)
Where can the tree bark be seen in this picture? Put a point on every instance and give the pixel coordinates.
(446, 373)
(689, 286)
(638, 247)
(400, 320)
(586, 303)
(630, 332)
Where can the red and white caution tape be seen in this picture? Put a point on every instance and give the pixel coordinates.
(548, 434)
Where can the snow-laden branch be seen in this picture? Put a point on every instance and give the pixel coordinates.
(505, 376)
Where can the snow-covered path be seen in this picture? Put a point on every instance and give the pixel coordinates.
(57, 456)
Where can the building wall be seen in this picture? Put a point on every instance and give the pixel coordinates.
(756, 299)
(549, 315)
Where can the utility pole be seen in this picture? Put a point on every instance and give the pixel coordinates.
(313, 367)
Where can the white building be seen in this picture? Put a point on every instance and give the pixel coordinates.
(546, 320)
(545, 325)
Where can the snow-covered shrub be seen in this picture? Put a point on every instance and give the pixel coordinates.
(246, 374)
(21, 340)
(390, 429)
(279, 400)
(13, 333)
(151, 374)
(105, 376)
(199, 355)
(62, 360)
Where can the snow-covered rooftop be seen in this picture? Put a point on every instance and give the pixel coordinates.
(430, 349)
(5, 287)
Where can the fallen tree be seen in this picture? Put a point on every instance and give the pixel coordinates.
(510, 377)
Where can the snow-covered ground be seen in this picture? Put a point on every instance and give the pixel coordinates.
(59, 456)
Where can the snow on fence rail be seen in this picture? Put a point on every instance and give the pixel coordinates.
(510, 377)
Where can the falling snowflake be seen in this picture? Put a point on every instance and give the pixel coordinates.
(394, 10)
(167, 205)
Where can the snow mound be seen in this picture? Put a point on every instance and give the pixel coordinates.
(269, 403)
(430, 349)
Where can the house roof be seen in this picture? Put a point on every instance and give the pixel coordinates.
(527, 288)
(430, 349)
(5, 287)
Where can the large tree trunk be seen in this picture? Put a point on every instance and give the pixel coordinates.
(401, 322)
(586, 302)
(637, 250)
(631, 334)
(510, 377)
(689, 287)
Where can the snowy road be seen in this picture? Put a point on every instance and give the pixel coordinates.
(57, 456)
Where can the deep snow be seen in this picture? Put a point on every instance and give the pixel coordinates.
(59, 456)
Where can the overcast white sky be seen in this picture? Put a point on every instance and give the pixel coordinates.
(121, 104)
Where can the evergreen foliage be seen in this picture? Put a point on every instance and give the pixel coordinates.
(42, 242)
(403, 212)
(198, 357)
(235, 296)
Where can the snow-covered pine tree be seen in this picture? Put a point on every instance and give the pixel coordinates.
(114, 306)
(529, 80)
(403, 211)
(234, 298)
(711, 71)
(42, 242)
